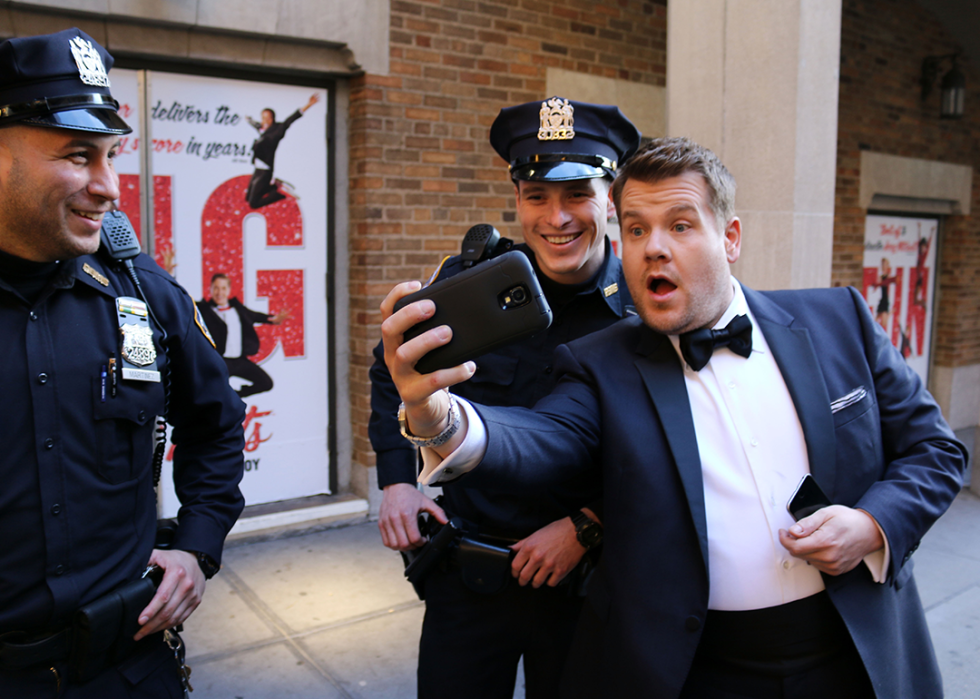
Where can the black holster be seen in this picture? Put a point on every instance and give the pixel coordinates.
(418, 564)
(102, 631)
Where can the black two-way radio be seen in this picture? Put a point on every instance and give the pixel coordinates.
(483, 242)
(120, 241)
(118, 237)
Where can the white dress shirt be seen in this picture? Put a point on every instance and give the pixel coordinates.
(753, 456)
(233, 343)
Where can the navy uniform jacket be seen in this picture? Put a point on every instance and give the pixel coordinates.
(622, 402)
(219, 331)
(77, 507)
(519, 374)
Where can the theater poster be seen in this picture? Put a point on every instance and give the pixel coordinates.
(248, 242)
(899, 282)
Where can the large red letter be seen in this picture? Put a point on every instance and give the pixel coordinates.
(222, 246)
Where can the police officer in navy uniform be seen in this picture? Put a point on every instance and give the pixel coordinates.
(563, 156)
(77, 506)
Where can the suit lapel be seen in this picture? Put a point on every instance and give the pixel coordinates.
(661, 372)
(797, 361)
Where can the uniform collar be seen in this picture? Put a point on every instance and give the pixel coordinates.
(608, 282)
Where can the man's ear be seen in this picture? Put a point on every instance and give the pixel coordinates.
(610, 206)
(733, 239)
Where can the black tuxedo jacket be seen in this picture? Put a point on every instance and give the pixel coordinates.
(219, 331)
(623, 403)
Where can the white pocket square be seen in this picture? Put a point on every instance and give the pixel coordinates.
(855, 396)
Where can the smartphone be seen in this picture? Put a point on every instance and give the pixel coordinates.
(488, 306)
(807, 499)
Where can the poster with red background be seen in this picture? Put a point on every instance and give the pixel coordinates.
(261, 227)
(899, 282)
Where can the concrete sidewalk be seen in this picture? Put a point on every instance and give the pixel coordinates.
(328, 614)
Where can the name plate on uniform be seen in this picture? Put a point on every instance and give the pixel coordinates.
(140, 374)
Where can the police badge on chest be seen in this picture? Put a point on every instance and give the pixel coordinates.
(139, 356)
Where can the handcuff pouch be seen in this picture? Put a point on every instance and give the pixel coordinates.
(103, 630)
(484, 567)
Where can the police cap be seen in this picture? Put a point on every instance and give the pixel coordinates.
(560, 139)
(58, 80)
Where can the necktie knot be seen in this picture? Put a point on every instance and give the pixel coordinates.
(698, 345)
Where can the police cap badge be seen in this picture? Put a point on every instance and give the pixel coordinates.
(58, 80)
(560, 139)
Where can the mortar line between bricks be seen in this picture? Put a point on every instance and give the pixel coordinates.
(277, 624)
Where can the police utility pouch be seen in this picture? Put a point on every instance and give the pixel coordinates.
(103, 630)
(483, 567)
(488, 306)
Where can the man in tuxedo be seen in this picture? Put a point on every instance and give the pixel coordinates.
(232, 327)
(263, 188)
(705, 413)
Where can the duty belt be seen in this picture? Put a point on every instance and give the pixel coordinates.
(19, 649)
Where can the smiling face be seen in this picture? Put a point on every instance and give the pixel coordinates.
(564, 223)
(676, 253)
(55, 187)
(221, 291)
(267, 118)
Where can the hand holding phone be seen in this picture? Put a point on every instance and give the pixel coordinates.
(488, 306)
(807, 499)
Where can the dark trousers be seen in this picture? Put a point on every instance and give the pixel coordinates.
(472, 642)
(261, 191)
(800, 650)
(151, 673)
(245, 369)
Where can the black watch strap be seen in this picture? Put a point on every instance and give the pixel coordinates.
(208, 565)
(587, 530)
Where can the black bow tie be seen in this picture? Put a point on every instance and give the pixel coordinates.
(697, 345)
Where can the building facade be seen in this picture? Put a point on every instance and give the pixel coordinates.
(410, 88)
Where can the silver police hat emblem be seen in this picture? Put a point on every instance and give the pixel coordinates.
(557, 120)
(137, 344)
(91, 70)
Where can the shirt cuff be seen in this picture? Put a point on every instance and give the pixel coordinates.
(877, 561)
(436, 470)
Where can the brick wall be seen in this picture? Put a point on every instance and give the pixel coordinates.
(883, 43)
(421, 169)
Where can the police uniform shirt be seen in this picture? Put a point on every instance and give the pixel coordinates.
(77, 506)
(516, 375)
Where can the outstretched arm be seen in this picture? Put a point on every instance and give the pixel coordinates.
(314, 98)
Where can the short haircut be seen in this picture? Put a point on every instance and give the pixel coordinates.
(271, 111)
(220, 275)
(664, 158)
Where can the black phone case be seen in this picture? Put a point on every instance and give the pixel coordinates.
(469, 303)
(808, 498)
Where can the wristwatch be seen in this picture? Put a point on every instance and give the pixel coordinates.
(587, 530)
(439, 439)
(207, 564)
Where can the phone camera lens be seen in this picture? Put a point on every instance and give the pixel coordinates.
(518, 295)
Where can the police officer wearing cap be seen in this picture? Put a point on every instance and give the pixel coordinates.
(563, 156)
(81, 392)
